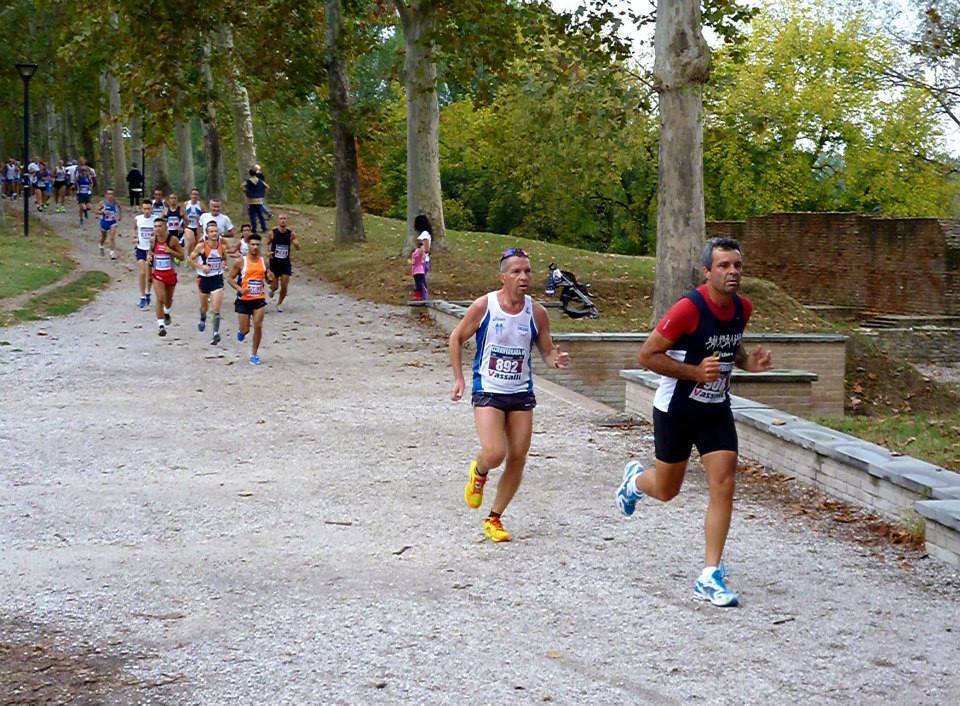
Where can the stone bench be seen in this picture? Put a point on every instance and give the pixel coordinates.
(903, 489)
(790, 390)
(598, 358)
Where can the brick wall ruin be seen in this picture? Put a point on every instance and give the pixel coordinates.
(890, 265)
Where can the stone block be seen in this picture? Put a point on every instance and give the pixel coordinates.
(944, 512)
(916, 475)
(943, 543)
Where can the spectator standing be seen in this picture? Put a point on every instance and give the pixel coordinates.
(255, 189)
(135, 185)
(421, 224)
(418, 270)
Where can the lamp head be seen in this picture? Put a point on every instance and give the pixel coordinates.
(26, 70)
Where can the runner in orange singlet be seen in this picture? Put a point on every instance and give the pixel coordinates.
(249, 276)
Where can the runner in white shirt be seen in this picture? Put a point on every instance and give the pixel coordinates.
(143, 232)
(224, 224)
(192, 210)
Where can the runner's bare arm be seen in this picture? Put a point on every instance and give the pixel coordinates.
(268, 246)
(232, 279)
(758, 360)
(653, 356)
(195, 260)
(461, 334)
(294, 241)
(550, 353)
(174, 245)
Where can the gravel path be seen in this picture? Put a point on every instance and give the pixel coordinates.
(179, 527)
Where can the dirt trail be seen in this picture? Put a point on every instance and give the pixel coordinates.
(179, 527)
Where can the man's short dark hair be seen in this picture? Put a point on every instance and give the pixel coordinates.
(146, 202)
(718, 244)
(255, 236)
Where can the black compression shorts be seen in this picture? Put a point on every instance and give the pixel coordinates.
(675, 434)
(281, 266)
(248, 306)
(518, 402)
(209, 285)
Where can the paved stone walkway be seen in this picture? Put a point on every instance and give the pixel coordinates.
(179, 527)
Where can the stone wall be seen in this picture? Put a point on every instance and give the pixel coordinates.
(906, 490)
(925, 344)
(598, 358)
(893, 265)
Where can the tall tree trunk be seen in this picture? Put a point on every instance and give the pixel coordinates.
(423, 120)
(116, 138)
(211, 134)
(102, 165)
(349, 221)
(87, 142)
(69, 148)
(681, 67)
(185, 178)
(160, 171)
(243, 137)
(136, 143)
(53, 143)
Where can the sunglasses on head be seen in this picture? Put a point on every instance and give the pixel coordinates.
(513, 252)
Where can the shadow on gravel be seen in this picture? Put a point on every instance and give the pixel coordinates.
(43, 666)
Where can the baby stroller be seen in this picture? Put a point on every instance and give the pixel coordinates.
(573, 295)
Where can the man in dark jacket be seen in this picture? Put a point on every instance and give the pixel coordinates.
(135, 185)
(255, 189)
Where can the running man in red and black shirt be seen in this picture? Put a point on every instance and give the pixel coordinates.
(695, 348)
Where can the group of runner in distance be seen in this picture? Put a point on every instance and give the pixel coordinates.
(694, 348)
(169, 235)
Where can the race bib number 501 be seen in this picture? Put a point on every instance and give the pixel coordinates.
(716, 391)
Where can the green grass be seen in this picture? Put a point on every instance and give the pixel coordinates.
(933, 439)
(59, 301)
(466, 267)
(30, 263)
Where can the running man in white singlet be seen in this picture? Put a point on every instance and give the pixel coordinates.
(143, 233)
(507, 323)
(192, 210)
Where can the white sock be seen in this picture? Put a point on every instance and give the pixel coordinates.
(708, 572)
(166, 310)
(160, 323)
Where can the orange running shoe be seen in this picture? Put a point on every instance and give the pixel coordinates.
(473, 493)
(493, 528)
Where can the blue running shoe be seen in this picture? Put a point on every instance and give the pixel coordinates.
(240, 336)
(627, 493)
(201, 325)
(255, 359)
(143, 303)
(148, 298)
(714, 589)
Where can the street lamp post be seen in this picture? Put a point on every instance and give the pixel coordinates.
(26, 72)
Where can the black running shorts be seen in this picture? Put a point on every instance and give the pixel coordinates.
(675, 434)
(281, 266)
(248, 306)
(518, 402)
(209, 285)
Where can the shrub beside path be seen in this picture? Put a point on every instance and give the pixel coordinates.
(180, 527)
